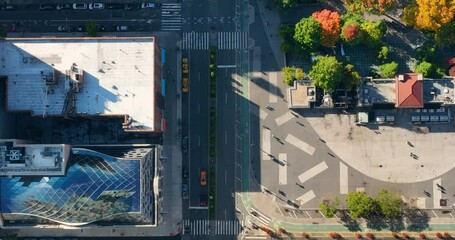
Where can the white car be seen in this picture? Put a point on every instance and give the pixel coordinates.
(96, 6)
(80, 6)
(148, 5)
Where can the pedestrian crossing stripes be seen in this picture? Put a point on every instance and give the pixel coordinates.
(232, 40)
(171, 18)
(195, 41)
(212, 227)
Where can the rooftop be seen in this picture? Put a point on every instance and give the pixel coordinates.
(409, 90)
(301, 94)
(107, 76)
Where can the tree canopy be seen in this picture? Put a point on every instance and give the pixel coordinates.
(429, 70)
(374, 6)
(329, 207)
(92, 28)
(285, 3)
(351, 77)
(388, 69)
(286, 32)
(389, 204)
(330, 26)
(292, 73)
(351, 33)
(445, 36)
(373, 32)
(359, 204)
(326, 72)
(307, 34)
(429, 14)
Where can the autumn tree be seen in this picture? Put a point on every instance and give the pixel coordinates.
(445, 36)
(326, 72)
(429, 14)
(351, 32)
(374, 6)
(307, 34)
(330, 26)
(373, 32)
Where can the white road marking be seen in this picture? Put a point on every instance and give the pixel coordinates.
(262, 114)
(437, 194)
(225, 137)
(306, 197)
(273, 87)
(283, 170)
(198, 141)
(300, 144)
(225, 98)
(199, 108)
(265, 143)
(344, 189)
(283, 118)
(226, 66)
(313, 172)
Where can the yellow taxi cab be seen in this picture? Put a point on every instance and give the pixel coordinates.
(203, 178)
(185, 66)
(185, 83)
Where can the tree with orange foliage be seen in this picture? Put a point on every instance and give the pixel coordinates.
(374, 6)
(330, 26)
(429, 14)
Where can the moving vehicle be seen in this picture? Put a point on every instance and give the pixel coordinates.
(203, 200)
(148, 5)
(185, 66)
(185, 144)
(184, 191)
(63, 28)
(122, 28)
(185, 83)
(64, 6)
(96, 6)
(203, 177)
(80, 6)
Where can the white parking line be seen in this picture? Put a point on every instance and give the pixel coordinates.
(300, 144)
(265, 143)
(283, 118)
(313, 172)
(344, 189)
(282, 169)
(306, 197)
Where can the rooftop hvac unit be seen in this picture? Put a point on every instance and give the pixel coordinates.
(401, 77)
(420, 77)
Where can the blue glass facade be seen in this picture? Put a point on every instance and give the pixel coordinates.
(96, 186)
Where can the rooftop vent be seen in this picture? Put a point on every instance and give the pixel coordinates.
(420, 77)
(401, 77)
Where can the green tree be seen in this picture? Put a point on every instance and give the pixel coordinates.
(285, 3)
(374, 6)
(3, 32)
(426, 52)
(292, 73)
(286, 32)
(373, 32)
(359, 204)
(92, 28)
(388, 69)
(329, 207)
(445, 36)
(326, 72)
(429, 70)
(351, 77)
(308, 34)
(389, 204)
(383, 53)
(410, 14)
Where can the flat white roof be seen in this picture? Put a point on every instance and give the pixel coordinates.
(118, 73)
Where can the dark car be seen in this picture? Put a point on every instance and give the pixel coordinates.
(107, 28)
(185, 145)
(203, 200)
(46, 7)
(80, 28)
(130, 6)
(184, 191)
(66, 6)
(114, 6)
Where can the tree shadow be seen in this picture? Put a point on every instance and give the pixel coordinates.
(396, 224)
(351, 224)
(416, 219)
(376, 222)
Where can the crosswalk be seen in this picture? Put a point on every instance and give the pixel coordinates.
(195, 41)
(212, 227)
(225, 40)
(232, 40)
(171, 18)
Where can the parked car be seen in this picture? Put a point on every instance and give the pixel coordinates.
(203, 200)
(148, 5)
(63, 28)
(46, 7)
(107, 28)
(114, 6)
(64, 6)
(184, 191)
(122, 28)
(80, 6)
(185, 144)
(80, 28)
(96, 6)
(203, 177)
(185, 65)
(185, 85)
(185, 173)
(8, 7)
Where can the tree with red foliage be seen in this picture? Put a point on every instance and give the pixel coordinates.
(330, 26)
(352, 34)
(369, 235)
(422, 236)
(447, 235)
(439, 235)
